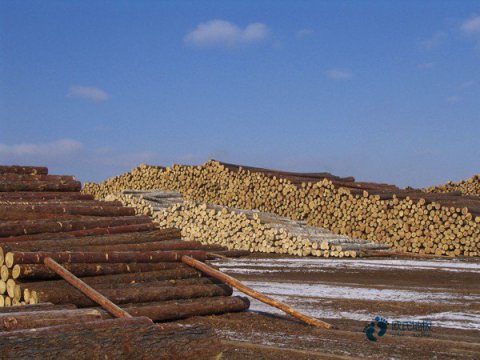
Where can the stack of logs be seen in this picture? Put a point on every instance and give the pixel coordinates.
(250, 230)
(409, 220)
(125, 257)
(470, 186)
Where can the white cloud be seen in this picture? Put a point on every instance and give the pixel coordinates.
(62, 148)
(90, 93)
(303, 33)
(453, 99)
(471, 26)
(225, 33)
(434, 41)
(425, 66)
(339, 74)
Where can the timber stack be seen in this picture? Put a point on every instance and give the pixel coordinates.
(124, 256)
(407, 219)
(470, 186)
(240, 229)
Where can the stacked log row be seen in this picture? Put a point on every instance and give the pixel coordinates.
(240, 229)
(122, 255)
(470, 186)
(409, 220)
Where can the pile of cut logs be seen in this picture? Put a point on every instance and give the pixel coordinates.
(127, 257)
(470, 186)
(250, 230)
(408, 220)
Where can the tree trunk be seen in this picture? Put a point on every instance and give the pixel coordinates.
(135, 338)
(29, 170)
(43, 196)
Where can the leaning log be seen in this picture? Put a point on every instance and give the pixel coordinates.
(38, 319)
(135, 338)
(17, 257)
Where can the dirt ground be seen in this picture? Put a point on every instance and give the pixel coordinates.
(350, 294)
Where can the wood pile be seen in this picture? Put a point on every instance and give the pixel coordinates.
(125, 257)
(409, 220)
(239, 229)
(470, 186)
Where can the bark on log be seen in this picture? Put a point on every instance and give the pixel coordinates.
(86, 290)
(15, 228)
(181, 309)
(72, 209)
(36, 307)
(120, 229)
(39, 272)
(43, 196)
(135, 338)
(29, 170)
(10, 186)
(13, 258)
(134, 295)
(38, 319)
(36, 177)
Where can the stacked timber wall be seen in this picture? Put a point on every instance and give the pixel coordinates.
(409, 220)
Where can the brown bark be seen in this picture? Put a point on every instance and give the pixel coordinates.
(73, 209)
(13, 228)
(29, 170)
(86, 290)
(36, 307)
(120, 229)
(181, 309)
(8, 186)
(43, 196)
(38, 271)
(38, 319)
(13, 258)
(36, 177)
(135, 338)
(126, 238)
(134, 294)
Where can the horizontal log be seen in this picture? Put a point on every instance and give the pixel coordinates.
(12, 258)
(134, 338)
(119, 229)
(36, 307)
(14, 228)
(36, 177)
(38, 319)
(133, 295)
(72, 209)
(181, 309)
(7, 186)
(40, 271)
(30, 216)
(28, 170)
(43, 196)
(115, 239)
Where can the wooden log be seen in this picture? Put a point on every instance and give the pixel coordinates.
(91, 293)
(133, 338)
(9, 186)
(181, 309)
(71, 209)
(249, 291)
(39, 272)
(134, 294)
(12, 258)
(14, 228)
(37, 319)
(28, 170)
(36, 177)
(43, 196)
(37, 307)
(121, 229)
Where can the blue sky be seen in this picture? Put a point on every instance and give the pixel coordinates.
(385, 91)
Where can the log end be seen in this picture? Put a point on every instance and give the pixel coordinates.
(9, 259)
